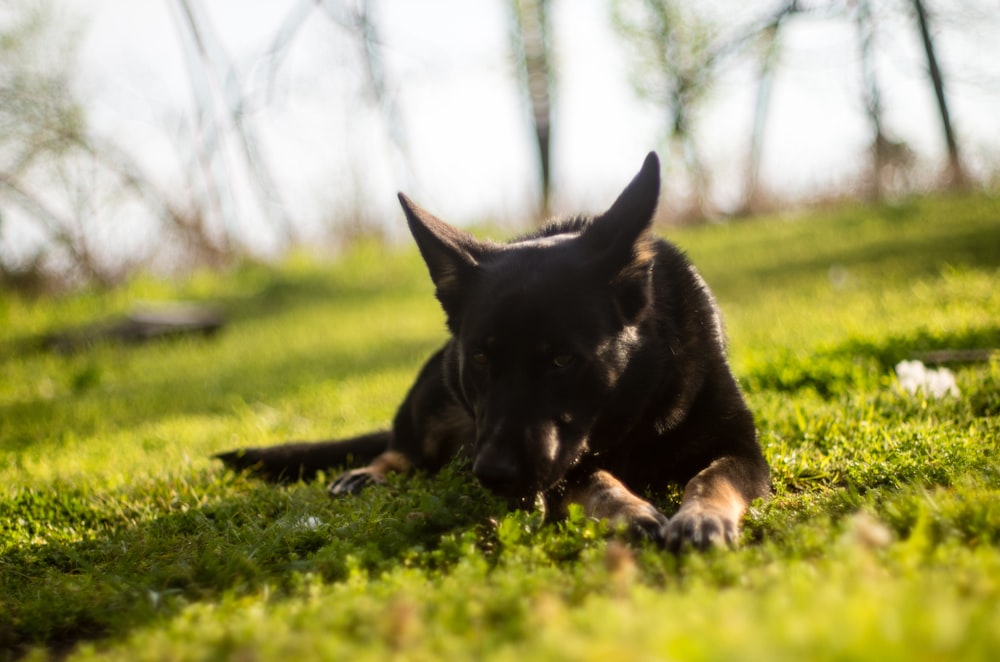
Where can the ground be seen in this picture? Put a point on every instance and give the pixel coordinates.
(120, 538)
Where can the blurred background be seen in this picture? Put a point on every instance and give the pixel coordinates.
(170, 134)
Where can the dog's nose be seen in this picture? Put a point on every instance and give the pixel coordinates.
(496, 474)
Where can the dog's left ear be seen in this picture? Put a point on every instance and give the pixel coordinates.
(452, 255)
(620, 240)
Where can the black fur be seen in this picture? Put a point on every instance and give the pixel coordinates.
(586, 363)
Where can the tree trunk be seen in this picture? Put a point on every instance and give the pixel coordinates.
(872, 95)
(531, 36)
(957, 172)
(762, 103)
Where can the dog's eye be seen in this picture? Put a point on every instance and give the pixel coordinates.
(563, 360)
(480, 358)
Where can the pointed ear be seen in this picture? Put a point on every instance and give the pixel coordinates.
(452, 255)
(615, 232)
(623, 248)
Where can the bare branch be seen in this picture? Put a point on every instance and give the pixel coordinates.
(214, 60)
(57, 227)
(282, 43)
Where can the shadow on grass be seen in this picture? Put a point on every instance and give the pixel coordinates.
(137, 568)
(910, 256)
(210, 374)
(862, 362)
(911, 248)
(205, 389)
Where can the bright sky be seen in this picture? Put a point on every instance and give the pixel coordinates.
(468, 136)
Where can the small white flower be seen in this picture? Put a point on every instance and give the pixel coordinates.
(915, 377)
(312, 523)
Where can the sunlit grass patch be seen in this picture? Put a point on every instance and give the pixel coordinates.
(120, 538)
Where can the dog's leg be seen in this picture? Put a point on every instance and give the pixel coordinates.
(605, 497)
(429, 429)
(714, 502)
(352, 481)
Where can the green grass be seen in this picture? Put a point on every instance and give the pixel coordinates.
(121, 539)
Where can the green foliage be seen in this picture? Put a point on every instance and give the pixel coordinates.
(672, 46)
(121, 539)
(37, 110)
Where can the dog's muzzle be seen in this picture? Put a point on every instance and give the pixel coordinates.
(498, 474)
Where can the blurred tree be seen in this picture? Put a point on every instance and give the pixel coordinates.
(676, 58)
(872, 93)
(363, 17)
(769, 37)
(957, 175)
(678, 53)
(891, 159)
(39, 119)
(531, 35)
(359, 21)
(208, 67)
(58, 181)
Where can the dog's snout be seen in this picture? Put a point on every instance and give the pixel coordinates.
(497, 474)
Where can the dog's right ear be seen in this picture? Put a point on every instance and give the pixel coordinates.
(616, 232)
(622, 244)
(452, 255)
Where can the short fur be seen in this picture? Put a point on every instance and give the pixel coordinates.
(586, 363)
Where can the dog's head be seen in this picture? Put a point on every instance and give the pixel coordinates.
(543, 328)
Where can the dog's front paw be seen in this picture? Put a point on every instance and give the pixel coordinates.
(644, 522)
(700, 527)
(638, 521)
(354, 481)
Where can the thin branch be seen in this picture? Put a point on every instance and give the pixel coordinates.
(56, 225)
(214, 60)
(132, 177)
(282, 43)
(360, 22)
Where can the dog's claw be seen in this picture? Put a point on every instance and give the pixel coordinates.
(353, 482)
(647, 529)
(650, 525)
(700, 528)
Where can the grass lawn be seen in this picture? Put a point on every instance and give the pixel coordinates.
(121, 539)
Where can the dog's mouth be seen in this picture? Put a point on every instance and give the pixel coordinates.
(515, 493)
(522, 495)
(512, 480)
(524, 502)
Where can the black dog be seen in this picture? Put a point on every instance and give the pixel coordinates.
(586, 363)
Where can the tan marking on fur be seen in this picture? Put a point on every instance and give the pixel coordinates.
(376, 471)
(605, 497)
(645, 250)
(389, 462)
(447, 279)
(642, 257)
(712, 490)
(713, 505)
